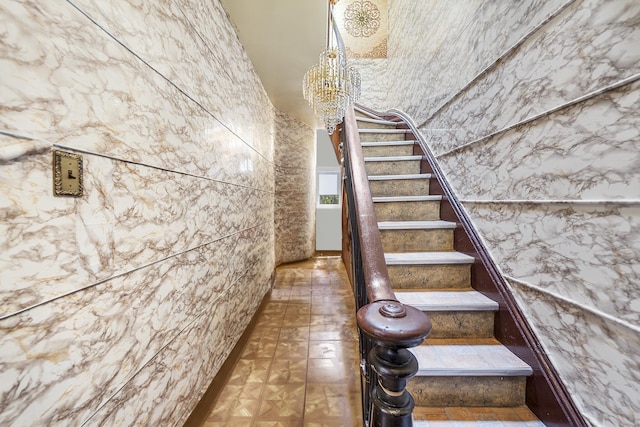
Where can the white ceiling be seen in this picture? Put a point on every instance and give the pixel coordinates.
(283, 38)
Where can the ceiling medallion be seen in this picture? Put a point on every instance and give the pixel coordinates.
(362, 18)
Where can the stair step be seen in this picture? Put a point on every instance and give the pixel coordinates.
(391, 199)
(447, 301)
(392, 131)
(416, 225)
(364, 113)
(417, 236)
(399, 177)
(393, 159)
(519, 416)
(484, 360)
(405, 209)
(384, 134)
(400, 185)
(387, 148)
(393, 165)
(376, 121)
(468, 375)
(454, 314)
(387, 143)
(429, 270)
(427, 258)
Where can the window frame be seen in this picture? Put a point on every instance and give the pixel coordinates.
(329, 171)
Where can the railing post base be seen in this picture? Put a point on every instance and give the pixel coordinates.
(391, 411)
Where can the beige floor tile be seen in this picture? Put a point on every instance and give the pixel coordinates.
(288, 371)
(296, 333)
(305, 332)
(292, 350)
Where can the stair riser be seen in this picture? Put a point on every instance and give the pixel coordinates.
(388, 150)
(461, 324)
(373, 137)
(435, 240)
(400, 187)
(369, 125)
(407, 211)
(399, 167)
(457, 276)
(468, 391)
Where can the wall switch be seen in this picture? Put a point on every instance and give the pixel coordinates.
(67, 174)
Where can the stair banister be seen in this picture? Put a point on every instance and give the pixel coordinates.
(387, 328)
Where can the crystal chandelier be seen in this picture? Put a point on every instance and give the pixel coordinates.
(332, 84)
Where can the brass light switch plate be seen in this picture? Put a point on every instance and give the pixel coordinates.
(67, 174)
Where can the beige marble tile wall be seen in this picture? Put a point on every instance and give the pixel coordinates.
(295, 168)
(556, 198)
(119, 307)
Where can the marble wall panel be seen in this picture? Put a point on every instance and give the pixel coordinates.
(437, 48)
(210, 338)
(75, 352)
(172, 245)
(174, 48)
(375, 84)
(295, 183)
(588, 254)
(168, 373)
(596, 356)
(90, 93)
(590, 151)
(217, 32)
(547, 71)
(132, 216)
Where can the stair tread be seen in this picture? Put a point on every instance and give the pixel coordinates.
(469, 360)
(415, 225)
(377, 130)
(376, 121)
(366, 113)
(387, 143)
(519, 416)
(427, 258)
(399, 177)
(447, 300)
(392, 158)
(383, 199)
(478, 423)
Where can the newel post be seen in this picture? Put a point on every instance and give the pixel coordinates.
(393, 327)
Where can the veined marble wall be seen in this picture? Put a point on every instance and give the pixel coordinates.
(556, 198)
(295, 167)
(119, 307)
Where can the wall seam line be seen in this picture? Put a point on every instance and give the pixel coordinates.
(538, 116)
(498, 60)
(576, 304)
(166, 78)
(134, 162)
(124, 273)
(44, 144)
(160, 350)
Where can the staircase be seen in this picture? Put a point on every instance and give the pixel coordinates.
(464, 373)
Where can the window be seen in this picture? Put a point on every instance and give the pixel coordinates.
(328, 189)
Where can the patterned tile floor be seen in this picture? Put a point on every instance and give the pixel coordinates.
(300, 365)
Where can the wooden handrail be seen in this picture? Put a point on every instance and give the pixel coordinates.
(387, 327)
(373, 262)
